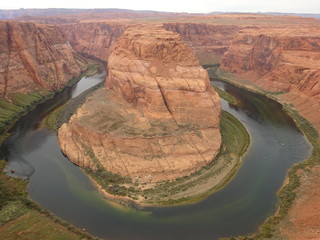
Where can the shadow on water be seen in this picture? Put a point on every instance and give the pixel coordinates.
(239, 208)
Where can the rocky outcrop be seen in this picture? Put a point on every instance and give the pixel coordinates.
(35, 56)
(286, 61)
(93, 38)
(209, 42)
(157, 120)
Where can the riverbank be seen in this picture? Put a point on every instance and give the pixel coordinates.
(21, 104)
(22, 218)
(17, 211)
(186, 190)
(291, 193)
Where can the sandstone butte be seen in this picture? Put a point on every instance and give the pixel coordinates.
(158, 117)
(35, 57)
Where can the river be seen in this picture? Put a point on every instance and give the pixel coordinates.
(238, 209)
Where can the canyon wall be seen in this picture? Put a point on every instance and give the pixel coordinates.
(35, 56)
(157, 120)
(94, 38)
(209, 42)
(286, 61)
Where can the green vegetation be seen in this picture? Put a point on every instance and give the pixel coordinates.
(34, 225)
(195, 187)
(235, 141)
(11, 189)
(226, 96)
(286, 194)
(19, 106)
(15, 207)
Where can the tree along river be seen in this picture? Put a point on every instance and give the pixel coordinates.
(238, 209)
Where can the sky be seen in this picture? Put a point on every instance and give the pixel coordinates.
(191, 6)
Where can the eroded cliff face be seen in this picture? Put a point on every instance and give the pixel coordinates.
(209, 42)
(286, 61)
(94, 38)
(157, 120)
(35, 56)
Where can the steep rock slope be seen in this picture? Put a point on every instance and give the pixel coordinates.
(158, 121)
(287, 61)
(94, 38)
(35, 56)
(209, 42)
(280, 60)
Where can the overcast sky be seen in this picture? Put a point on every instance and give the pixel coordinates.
(191, 6)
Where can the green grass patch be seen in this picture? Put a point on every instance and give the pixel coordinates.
(19, 106)
(226, 96)
(11, 189)
(33, 225)
(20, 215)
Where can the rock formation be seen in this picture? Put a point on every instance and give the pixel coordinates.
(93, 38)
(159, 118)
(280, 60)
(209, 42)
(35, 56)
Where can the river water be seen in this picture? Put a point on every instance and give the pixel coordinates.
(238, 209)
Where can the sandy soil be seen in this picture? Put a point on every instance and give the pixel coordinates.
(303, 221)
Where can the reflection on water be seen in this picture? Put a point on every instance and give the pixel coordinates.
(57, 184)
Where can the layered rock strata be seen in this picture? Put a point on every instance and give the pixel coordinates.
(286, 61)
(93, 38)
(209, 42)
(35, 56)
(157, 120)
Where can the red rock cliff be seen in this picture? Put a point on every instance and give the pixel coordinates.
(160, 118)
(94, 38)
(280, 60)
(209, 42)
(35, 56)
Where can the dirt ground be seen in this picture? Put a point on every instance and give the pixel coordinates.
(303, 221)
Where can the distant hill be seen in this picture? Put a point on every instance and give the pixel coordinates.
(27, 14)
(309, 15)
(11, 14)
